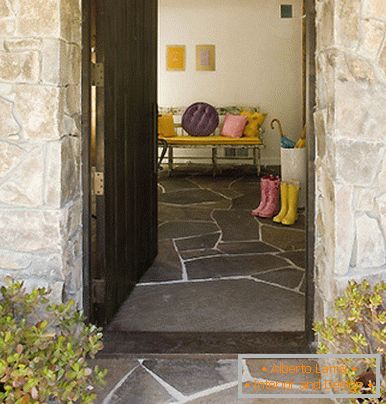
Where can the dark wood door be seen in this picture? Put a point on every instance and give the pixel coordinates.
(126, 45)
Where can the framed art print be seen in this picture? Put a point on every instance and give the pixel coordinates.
(206, 57)
(175, 58)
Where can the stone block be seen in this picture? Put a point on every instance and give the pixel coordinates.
(62, 171)
(373, 32)
(7, 26)
(71, 219)
(19, 67)
(381, 209)
(325, 24)
(40, 111)
(369, 244)
(23, 265)
(344, 225)
(10, 157)
(375, 9)
(382, 59)
(12, 45)
(25, 186)
(348, 22)
(34, 231)
(73, 99)
(5, 9)
(39, 18)
(71, 20)
(8, 123)
(357, 162)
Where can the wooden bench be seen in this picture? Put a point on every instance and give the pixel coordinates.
(215, 141)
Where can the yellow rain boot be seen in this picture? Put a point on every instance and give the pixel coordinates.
(284, 202)
(293, 199)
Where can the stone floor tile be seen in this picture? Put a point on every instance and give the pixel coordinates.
(194, 243)
(284, 237)
(141, 388)
(236, 225)
(297, 257)
(246, 247)
(206, 252)
(180, 229)
(224, 305)
(168, 213)
(288, 277)
(248, 201)
(190, 376)
(117, 367)
(241, 265)
(300, 223)
(230, 396)
(191, 197)
(167, 265)
(170, 184)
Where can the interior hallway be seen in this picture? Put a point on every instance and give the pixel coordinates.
(218, 269)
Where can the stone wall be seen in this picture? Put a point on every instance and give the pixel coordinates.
(351, 145)
(40, 204)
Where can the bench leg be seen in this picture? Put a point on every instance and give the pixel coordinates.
(257, 160)
(170, 160)
(214, 161)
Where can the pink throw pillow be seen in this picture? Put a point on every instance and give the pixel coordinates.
(234, 125)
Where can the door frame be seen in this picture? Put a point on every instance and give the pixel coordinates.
(310, 46)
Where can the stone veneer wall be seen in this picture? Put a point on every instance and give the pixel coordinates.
(351, 145)
(40, 204)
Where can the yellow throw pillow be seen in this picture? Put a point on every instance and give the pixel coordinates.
(166, 126)
(255, 120)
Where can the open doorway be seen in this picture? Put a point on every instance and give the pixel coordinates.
(220, 273)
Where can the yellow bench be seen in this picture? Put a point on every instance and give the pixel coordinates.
(214, 142)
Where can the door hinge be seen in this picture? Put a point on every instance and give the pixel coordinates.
(98, 183)
(98, 291)
(97, 74)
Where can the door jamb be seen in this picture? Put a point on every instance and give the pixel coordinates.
(86, 168)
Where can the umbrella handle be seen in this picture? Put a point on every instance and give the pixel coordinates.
(279, 124)
(304, 132)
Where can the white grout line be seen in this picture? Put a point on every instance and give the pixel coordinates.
(239, 255)
(170, 389)
(197, 235)
(184, 273)
(301, 283)
(212, 390)
(292, 263)
(278, 286)
(108, 398)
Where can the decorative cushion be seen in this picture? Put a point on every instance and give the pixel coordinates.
(255, 120)
(166, 126)
(234, 125)
(200, 119)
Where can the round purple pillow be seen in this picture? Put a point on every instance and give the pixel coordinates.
(200, 119)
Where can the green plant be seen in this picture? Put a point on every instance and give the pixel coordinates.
(359, 327)
(44, 349)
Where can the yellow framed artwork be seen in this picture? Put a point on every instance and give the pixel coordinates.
(206, 57)
(175, 58)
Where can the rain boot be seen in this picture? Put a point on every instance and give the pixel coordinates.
(293, 200)
(264, 195)
(272, 206)
(284, 202)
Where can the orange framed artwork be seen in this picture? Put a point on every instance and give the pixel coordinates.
(175, 58)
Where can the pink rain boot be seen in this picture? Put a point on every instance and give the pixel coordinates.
(264, 195)
(272, 206)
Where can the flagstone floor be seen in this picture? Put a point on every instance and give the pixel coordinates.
(218, 269)
(200, 380)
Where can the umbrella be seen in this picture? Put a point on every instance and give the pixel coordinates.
(285, 142)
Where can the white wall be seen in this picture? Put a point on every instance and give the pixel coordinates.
(258, 59)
